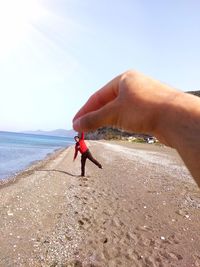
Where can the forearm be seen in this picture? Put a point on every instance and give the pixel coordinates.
(179, 126)
(82, 136)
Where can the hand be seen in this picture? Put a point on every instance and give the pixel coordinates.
(139, 104)
(131, 101)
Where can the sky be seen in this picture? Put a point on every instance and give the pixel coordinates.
(55, 53)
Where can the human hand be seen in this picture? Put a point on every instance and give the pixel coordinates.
(137, 103)
(131, 101)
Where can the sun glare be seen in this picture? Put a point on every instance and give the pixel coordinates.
(16, 19)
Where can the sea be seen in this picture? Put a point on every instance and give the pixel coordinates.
(19, 150)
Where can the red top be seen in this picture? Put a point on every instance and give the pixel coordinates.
(80, 146)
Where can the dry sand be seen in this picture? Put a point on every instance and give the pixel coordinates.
(142, 209)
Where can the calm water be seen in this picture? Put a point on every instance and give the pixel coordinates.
(18, 150)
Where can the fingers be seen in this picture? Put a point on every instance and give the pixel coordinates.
(103, 96)
(106, 116)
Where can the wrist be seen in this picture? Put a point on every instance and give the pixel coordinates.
(179, 120)
(168, 114)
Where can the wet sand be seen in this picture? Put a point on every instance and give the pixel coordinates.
(142, 209)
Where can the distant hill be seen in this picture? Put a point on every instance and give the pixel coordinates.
(57, 132)
(197, 93)
(110, 133)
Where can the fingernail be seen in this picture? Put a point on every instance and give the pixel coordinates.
(76, 124)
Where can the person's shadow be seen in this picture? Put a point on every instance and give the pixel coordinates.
(54, 170)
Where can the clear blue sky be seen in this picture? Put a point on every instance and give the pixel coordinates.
(55, 54)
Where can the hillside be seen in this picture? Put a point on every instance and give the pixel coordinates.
(108, 133)
(197, 93)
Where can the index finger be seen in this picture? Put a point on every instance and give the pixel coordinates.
(99, 98)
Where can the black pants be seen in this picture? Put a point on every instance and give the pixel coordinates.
(87, 155)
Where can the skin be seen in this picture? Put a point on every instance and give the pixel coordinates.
(76, 139)
(137, 103)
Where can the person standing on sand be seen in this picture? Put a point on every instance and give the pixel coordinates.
(85, 153)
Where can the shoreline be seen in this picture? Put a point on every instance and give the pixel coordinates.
(141, 209)
(33, 166)
(34, 163)
(37, 164)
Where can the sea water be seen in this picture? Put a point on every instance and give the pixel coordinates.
(18, 150)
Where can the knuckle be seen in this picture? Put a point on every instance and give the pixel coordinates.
(128, 74)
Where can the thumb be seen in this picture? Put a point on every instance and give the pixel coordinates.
(106, 116)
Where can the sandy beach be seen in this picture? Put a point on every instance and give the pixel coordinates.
(142, 209)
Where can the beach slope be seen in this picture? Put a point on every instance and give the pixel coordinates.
(142, 209)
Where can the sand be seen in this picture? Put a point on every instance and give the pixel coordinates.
(142, 209)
